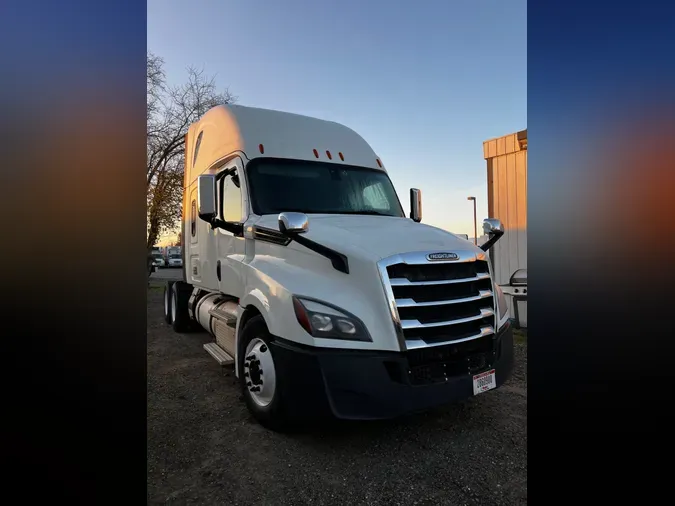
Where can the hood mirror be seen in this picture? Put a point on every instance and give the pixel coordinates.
(492, 226)
(494, 229)
(293, 223)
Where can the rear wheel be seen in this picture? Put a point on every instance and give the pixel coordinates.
(180, 317)
(167, 301)
(259, 377)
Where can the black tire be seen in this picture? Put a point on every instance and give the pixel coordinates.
(180, 318)
(167, 301)
(273, 416)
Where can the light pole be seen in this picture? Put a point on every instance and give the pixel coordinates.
(475, 227)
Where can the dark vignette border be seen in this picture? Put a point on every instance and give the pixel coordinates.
(73, 253)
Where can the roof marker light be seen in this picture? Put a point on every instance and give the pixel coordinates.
(330, 157)
(379, 162)
(342, 157)
(261, 148)
(316, 153)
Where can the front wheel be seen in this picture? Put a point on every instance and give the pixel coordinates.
(259, 377)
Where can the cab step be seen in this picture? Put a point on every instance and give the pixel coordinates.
(221, 356)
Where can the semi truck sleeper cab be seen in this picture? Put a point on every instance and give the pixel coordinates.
(300, 261)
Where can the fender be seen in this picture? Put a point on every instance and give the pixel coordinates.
(270, 285)
(257, 299)
(272, 282)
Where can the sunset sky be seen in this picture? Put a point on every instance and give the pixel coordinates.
(425, 84)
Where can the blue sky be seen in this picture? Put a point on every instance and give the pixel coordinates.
(425, 83)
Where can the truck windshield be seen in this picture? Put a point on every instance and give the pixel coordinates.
(322, 188)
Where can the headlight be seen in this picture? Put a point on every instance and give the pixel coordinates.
(501, 302)
(328, 322)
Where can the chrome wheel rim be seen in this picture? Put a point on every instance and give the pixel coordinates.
(259, 372)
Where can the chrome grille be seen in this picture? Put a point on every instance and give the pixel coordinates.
(436, 303)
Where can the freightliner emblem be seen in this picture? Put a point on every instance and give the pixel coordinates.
(435, 257)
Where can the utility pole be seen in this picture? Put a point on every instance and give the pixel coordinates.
(475, 226)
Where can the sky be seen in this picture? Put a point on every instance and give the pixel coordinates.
(424, 83)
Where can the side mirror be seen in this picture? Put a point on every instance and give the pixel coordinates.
(494, 229)
(416, 204)
(206, 197)
(293, 223)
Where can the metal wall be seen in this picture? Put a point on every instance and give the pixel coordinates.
(507, 200)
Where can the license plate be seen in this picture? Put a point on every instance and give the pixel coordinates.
(483, 382)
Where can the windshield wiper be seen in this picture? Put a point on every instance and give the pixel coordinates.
(291, 210)
(364, 211)
(317, 211)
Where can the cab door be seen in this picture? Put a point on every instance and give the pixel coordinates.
(230, 246)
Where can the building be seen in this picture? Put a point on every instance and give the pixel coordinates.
(507, 200)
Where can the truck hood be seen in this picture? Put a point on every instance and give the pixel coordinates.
(375, 237)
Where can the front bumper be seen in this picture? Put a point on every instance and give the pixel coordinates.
(360, 385)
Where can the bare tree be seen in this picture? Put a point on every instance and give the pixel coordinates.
(171, 110)
(155, 84)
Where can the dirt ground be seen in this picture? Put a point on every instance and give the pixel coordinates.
(204, 448)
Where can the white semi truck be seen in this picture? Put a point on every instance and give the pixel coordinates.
(299, 260)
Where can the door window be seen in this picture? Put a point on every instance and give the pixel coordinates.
(230, 202)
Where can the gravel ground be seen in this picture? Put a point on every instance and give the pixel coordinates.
(204, 448)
